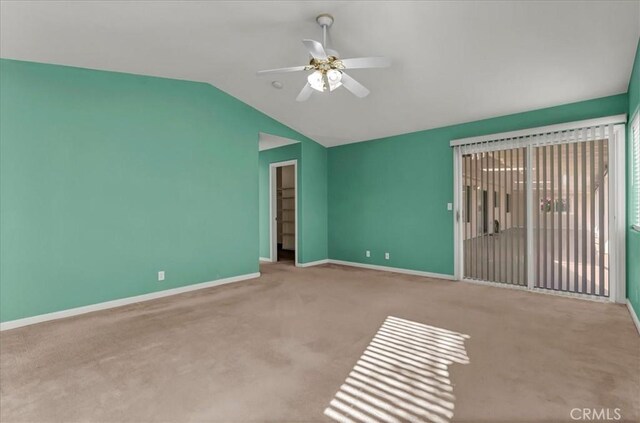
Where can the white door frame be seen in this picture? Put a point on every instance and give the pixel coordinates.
(273, 204)
(458, 218)
(617, 215)
(617, 210)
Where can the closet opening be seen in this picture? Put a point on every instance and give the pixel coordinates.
(284, 212)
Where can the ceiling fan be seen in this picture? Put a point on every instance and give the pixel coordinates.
(328, 69)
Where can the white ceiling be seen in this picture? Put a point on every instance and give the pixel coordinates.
(268, 141)
(453, 61)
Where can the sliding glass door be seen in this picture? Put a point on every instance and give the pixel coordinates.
(494, 230)
(535, 211)
(570, 189)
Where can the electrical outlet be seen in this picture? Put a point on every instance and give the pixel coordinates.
(161, 275)
(386, 256)
(367, 253)
(449, 206)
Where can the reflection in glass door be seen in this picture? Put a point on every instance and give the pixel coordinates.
(570, 191)
(569, 215)
(494, 216)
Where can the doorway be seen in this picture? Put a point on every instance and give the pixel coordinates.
(284, 212)
(553, 220)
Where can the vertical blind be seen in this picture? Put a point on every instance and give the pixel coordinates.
(494, 231)
(560, 137)
(635, 182)
(570, 216)
(570, 202)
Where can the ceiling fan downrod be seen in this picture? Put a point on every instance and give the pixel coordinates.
(325, 20)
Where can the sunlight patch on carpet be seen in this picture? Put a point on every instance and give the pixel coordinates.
(402, 376)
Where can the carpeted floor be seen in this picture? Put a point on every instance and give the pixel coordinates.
(279, 348)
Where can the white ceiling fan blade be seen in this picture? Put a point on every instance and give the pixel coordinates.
(305, 93)
(281, 70)
(366, 62)
(354, 86)
(315, 49)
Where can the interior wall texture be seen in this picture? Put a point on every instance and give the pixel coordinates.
(107, 178)
(391, 194)
(314, 228)
(633, 236)
(311, 201)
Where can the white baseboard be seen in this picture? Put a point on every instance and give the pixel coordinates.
(267, 259)
(12, 324)
(313, 263)
(634, 317)
(393, 269)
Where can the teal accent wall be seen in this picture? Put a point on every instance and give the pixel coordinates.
(314, 228)
(633, 236)
(391, 195)
(312, 198)
(107, 178)
(266, 157)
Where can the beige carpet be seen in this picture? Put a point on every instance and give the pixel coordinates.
(280, 348)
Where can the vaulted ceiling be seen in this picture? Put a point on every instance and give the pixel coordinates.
(452, 61)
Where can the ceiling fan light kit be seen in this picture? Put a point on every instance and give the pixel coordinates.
(328, 70)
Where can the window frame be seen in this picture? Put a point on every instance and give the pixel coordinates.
(635, 171)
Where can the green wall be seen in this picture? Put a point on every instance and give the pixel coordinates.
(633, 237)
(266, 157)
(314, 220)
(107, 178)
(391, 194)
(312, 198)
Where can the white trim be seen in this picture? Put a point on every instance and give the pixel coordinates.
(313, 263)
(609, 120)
(265, 259)
(617, 215)
(393, 269)
(273, 241)
(12, 324)
(634, 317)
(458, 239)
